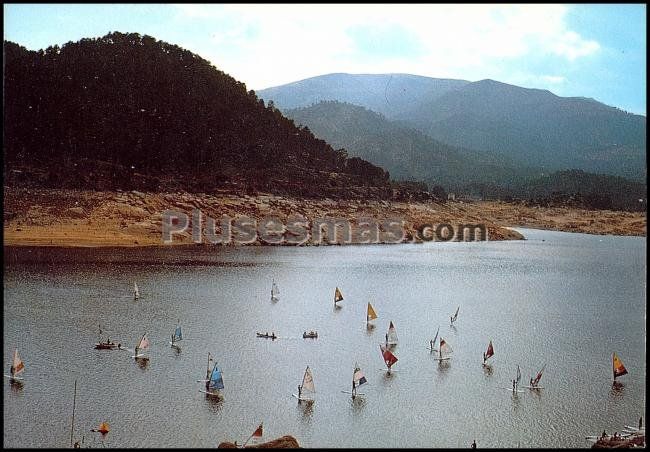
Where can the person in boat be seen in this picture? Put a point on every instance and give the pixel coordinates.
(514, 385)
(532, 383)
(484, 358)
(119, 345)
(386, 338)
(604, 435)
(299, 391)
(474, 444)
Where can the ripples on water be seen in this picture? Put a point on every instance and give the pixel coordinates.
(569, 301)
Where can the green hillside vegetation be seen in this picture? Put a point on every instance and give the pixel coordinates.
(126, 111)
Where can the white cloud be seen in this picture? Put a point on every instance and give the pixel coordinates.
(553, 79)
(267, 45)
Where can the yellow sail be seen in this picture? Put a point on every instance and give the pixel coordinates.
(617, 366)
(372, 315)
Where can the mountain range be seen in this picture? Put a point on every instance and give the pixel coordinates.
(529, 127)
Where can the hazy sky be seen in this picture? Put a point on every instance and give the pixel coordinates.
(585, 50)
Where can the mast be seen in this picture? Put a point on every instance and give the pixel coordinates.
(74, 403)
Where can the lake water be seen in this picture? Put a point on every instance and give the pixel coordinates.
(567, 300)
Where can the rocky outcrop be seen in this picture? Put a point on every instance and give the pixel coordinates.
(284, 442)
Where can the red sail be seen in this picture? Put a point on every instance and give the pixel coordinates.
(389, 358)
(490, 351)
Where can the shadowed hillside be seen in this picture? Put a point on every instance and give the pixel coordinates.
(126, 111)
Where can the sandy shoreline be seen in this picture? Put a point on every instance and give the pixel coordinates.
(68, 218)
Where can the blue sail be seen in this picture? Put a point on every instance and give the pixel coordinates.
(216, 379)
(177, 334)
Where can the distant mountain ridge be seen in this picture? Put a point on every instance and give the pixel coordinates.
(405, 152)
(532, 127)
(388, 94)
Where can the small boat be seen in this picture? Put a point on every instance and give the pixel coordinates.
(338, 296)
(432, 343)
(106, 345)
(444, 351)
(143, 344)
(274, 292)
(455, 316)
(389, 358)
(617, 367)
(358, 379)
(267, 335)
(391, 335)
(489, 353)
(214, 380)
(370, 314)
(176, 337)
(136, 292)
(17, 366)
(307, 385)
(256, 436)
(103, 428)
(312, 334)
(534, 382)
(515, 383)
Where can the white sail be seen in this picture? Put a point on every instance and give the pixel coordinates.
(17, 366)
(136, 292)
(308, 381)
(357, 377)
(391, 336)
(274, 291)
(433, 342)
(143, 344)
(444, 350)
(455, 316)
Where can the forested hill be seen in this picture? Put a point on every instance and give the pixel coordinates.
(126, 111)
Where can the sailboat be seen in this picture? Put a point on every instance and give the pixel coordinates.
(534, 382)
(17, 366)
(177, 336)
(391, 335)
(617, 367)
(136, 292)
(256, 436)
(358, 378)
(274, 292)
(388, 356)
(432, 343)
(143, 344)
(455, 316)
(515, 383)
(370, 314)
(307, 385)
(338, 296)
(103, 428)
(444, 351)
(213, 381)
(106, 345)
(488, 353)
